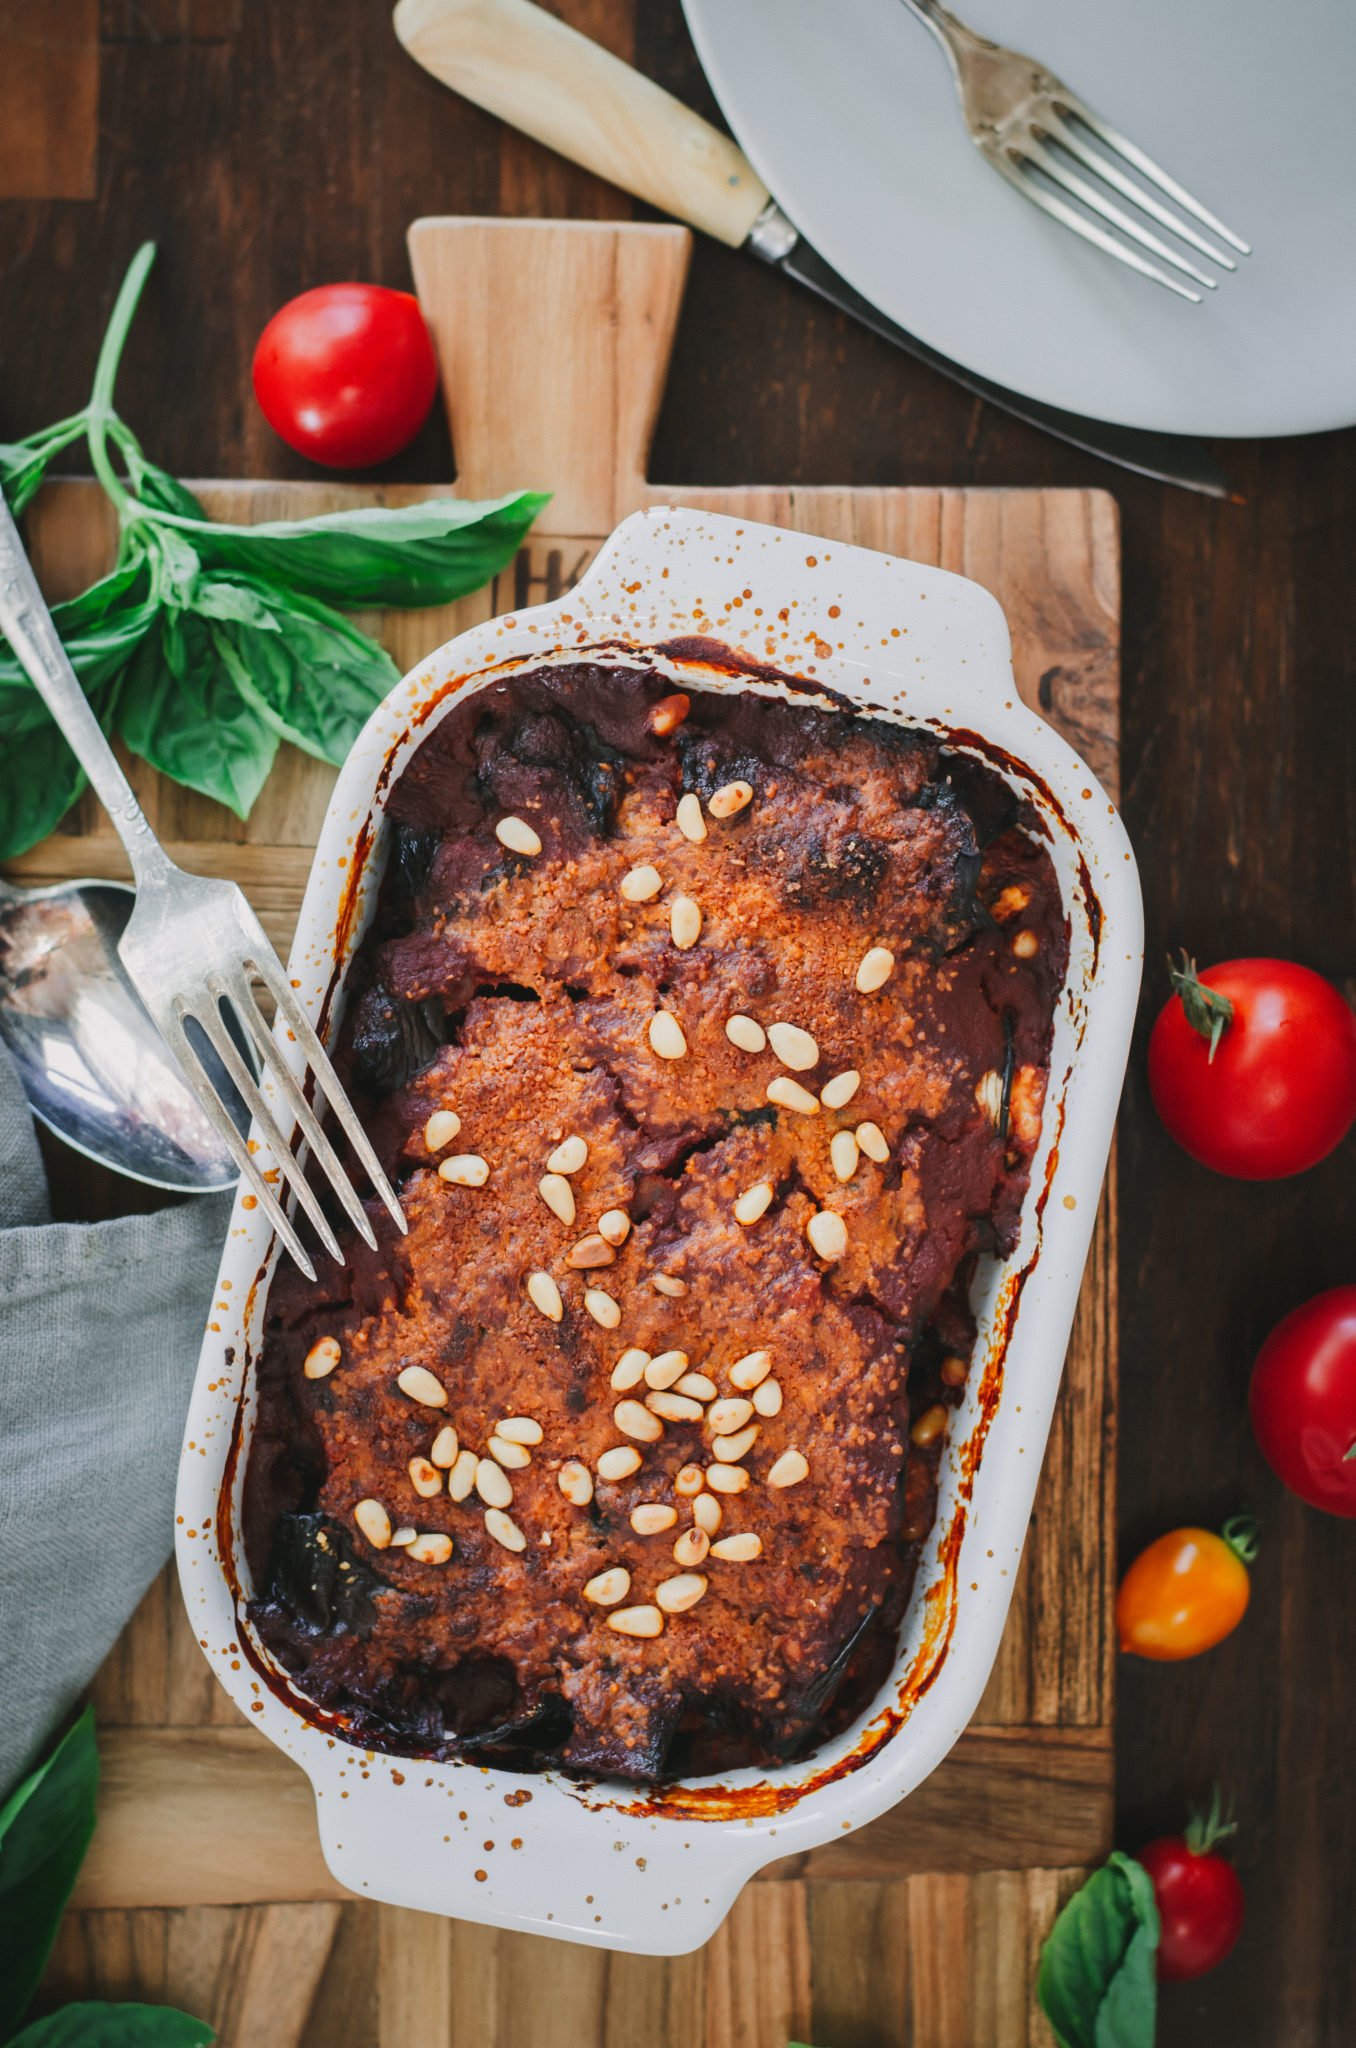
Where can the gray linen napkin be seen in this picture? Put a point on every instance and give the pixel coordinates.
(100, 1325)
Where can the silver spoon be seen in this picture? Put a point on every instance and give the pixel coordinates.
(93, 1066)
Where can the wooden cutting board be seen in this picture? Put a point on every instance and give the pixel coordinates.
(205, 1881)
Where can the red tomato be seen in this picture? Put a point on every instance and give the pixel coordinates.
(1277, 1090)
(346, 373)
(1303, 1401)
(1200, 1903)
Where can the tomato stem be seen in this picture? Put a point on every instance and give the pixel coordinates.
(1207, 1011)
(1203, 1830)
(1241, 1532)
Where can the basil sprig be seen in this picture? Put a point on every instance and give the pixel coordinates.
(45, 1829)
(1097, 1983)
(208, 644)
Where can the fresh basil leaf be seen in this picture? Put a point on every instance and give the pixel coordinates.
(45, 1829)
(96, 2025)
(180, 708)
(21, 473)
(156, 487)
(98, 629)
(40, 779)
(1096, 1983)
(311, 674)
(421, 554)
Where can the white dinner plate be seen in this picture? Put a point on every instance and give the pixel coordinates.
(848, 111)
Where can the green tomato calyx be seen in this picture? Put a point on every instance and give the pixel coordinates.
(1207, 1011)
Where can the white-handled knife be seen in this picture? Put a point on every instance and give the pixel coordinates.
(518, 62)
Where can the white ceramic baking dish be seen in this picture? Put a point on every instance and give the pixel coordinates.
(605, 1863)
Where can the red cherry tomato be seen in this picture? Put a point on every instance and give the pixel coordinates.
(346, 373)
(1199, 1898)
(1252, 1066)
(1303, 1401)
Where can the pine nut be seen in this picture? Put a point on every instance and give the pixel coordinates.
(665, 1369)
(929, 1426)
(728, 1416)
(633, 1420)
(740, 1549)
(789, 1094)
(576, 1483)
(685, 922)
(322, 1358)
(955, 1372)
(668, 714)
(725, 1479)
(989, 1096)
(688, 1480)
(558, 1196)
(652, 1517)
(445, 1447)
(568, 1156)
(602, 1308)
(748, 1370)
(747, 1033)
(677, 1594)
(707, 1513)
(696, 1386)
(517, 835)
(513, 1457)
(753, 1203)
(590, 1252)
(691, 823)
(543, 1294)
(1026, 945)
(666, 1036)
(728, 1450)
(504, 1530)
(844, 1153)
(402, 1538)
(637, 1621)
(492, 1484)
(618, 1463)
(789, 1470)
(609, 1587)
(668, 1283)
(873, 1142)
(733, 797)
(614, 1225)
(874, 970)
(426, 1479)
(374, 1523)
(691, 1547)
(421, 1386)
(837, 1093)
(642, 884)
(519, 1429)
(827, 1233)
(441, 1128)
(767, 1399)
(1010, 901)
(674, 1407)
(430, 1548)
(465, 1170)
(462, 1476)
(793, 1047)
(629, 1370)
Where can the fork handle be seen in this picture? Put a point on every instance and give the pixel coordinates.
(27, 625)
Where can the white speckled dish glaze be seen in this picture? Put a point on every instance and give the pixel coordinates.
(604, 1863)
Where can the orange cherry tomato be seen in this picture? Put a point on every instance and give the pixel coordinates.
(1186, 1591)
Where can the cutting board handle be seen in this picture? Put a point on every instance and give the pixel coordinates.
(553, 340)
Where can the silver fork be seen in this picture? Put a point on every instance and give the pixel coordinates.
(1027, 124)
(193, 943)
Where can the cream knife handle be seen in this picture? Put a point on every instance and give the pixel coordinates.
(520, 63)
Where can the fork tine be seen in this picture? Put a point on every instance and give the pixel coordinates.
(1050, 167)
(271, 974)
(1106, 168)
(321, 1149)
(177, 1039)
(1063, 212)
(209, 1021)
(1149, 169)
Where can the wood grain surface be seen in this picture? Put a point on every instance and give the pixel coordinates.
(296, 145)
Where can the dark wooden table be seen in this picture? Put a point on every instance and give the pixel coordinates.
(270, 148)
